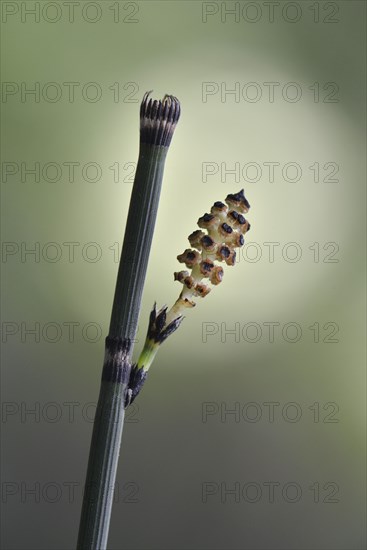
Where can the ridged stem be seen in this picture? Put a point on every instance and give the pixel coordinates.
(120, 380)
(137, 242)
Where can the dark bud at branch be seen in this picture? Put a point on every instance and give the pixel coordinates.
(157, 330)
(136, 381)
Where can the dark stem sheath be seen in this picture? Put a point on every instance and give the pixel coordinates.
(158, 120)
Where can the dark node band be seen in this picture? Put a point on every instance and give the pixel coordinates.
(118, 345)
(117, 367)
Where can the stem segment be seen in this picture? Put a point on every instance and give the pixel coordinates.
(120, 379)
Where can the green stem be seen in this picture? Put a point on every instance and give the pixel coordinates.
(119, 378)
(137, 242)
(104, 450)
(148, 354)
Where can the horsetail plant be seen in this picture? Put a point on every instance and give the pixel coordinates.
(225, 228)
(158, 120)
(121, 380)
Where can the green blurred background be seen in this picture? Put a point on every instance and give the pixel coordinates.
(183, 451)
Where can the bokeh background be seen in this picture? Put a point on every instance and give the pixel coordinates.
(192, 475)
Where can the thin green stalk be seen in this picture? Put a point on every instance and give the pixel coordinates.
(121, 381)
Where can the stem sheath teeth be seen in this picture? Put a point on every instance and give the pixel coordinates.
(158, 119)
